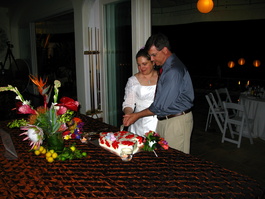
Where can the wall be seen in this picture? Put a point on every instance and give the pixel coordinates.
(4, 32)
(26, 12)
(223, 10)
(17, 20)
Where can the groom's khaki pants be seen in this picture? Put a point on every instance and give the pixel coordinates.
(177, 131)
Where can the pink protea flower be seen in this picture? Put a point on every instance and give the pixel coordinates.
(34, 134)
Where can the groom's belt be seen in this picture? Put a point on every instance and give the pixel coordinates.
(174, 115)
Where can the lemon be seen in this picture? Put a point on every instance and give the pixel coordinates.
(50, 159)
(41, 148)
(43, 151)
(54, 155)
(37, 152)
(48, 154)
(35, 147)
(72, 148)
(51, 151)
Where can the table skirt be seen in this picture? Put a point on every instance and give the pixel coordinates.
(255, 109)
(102, 174)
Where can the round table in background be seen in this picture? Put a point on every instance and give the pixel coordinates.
(255, 108)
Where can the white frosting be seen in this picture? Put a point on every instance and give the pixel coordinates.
(115, 141)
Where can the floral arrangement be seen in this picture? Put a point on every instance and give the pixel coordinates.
(68, 153)
(45, 122)
(153, 140)
(74, 131)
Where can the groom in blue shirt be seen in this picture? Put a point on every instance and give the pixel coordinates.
(174, 96)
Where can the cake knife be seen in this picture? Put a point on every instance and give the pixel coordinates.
(121, 127)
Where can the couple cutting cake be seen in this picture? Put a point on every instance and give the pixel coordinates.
(163, 105)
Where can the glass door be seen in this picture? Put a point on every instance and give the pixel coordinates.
(118, 56)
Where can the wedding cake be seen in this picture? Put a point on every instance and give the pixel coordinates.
(115, 141)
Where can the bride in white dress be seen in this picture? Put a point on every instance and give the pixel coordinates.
(139, 93)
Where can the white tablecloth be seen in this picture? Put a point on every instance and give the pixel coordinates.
(255, 108)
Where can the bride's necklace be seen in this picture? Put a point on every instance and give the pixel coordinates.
(149, 80)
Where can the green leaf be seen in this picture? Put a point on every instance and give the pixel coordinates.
(17, 123)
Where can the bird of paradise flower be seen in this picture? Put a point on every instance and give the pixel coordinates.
(43, 121)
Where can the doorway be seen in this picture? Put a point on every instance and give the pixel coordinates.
(118, 59)
(55, 45)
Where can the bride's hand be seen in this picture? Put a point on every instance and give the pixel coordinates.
(129, 119)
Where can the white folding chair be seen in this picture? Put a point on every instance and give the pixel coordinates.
(236, 123)
(223, 96)
(214, 110)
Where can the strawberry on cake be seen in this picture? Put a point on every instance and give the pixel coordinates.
(115, 141)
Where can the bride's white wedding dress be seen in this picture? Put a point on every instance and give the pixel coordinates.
(140, 97)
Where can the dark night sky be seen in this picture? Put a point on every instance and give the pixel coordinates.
(205, 46)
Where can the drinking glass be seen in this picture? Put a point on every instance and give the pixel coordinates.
(126, 154)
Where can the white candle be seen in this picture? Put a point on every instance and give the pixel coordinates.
(83, 140)
(248, 83)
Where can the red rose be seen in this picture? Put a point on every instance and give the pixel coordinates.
(129, 136)
(128, 143)
(101, 140)
(73, 136)
(140, 139)
(107, 143)
(123, 133)
(115, 144)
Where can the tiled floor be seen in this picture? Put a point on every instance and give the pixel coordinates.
(248, 159)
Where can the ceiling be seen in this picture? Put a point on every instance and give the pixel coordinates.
(9, 3)
(158, 6)
(175, 3)
(170, 3)
(161, 3)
